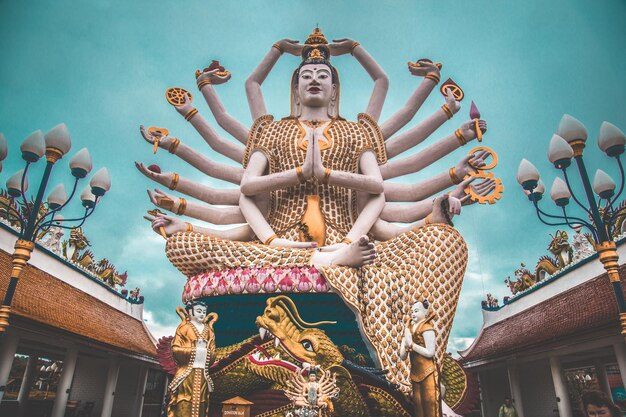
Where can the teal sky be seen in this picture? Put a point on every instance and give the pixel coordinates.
(102, 68)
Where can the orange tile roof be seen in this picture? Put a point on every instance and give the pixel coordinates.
(44, 299)
(571, 314)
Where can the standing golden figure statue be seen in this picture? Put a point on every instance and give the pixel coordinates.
(193, 349)
(419, 344)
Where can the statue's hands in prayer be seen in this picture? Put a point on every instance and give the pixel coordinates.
(290, 46)
(170, 225)
(307, 166)
(468, 129)
(408, 338)
(318, 165)
(424, 68)
(453, 105)
(214, 77)
(164, 141)
(341, 46)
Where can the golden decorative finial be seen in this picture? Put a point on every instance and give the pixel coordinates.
(316, 38)
(316, 54)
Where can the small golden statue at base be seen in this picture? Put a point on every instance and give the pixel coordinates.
(419, 343)
(312, 398)
(193, 349)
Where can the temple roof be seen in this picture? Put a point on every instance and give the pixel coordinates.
(580, 312)
(46, 299)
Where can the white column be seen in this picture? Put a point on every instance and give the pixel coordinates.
(481, 393)
(620, 355)
(65, 382)
(560, 388)
(27, 380)
(516, 391)
(7, 354)
(109, 389)
(141, 389)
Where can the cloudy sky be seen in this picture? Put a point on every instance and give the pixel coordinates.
(102, 67)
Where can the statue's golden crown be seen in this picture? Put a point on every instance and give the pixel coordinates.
(316, 38)
(316, 47)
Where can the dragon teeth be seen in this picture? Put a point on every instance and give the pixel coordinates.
(276, 342)
(262, 332)
(277, 357)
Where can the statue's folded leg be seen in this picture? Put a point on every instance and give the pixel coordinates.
(428, 262)
(192, 253)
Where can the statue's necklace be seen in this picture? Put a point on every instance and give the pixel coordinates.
(314, 124)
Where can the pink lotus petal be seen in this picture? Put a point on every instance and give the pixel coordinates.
(253, 286)
(236, 287)
(222, 287)
(268, 284)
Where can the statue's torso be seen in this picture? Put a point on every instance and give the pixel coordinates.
(421, 366)
(284, 144)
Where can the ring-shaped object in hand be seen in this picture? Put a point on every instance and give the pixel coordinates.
(491, 152)
(158, 131)
(456, 90)
(495, 195)
(176, 96)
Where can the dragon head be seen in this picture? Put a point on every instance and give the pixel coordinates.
(297, 345)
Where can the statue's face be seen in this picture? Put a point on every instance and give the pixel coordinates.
(312, 377)
(418, 312)
(315, 86)
(198, 313)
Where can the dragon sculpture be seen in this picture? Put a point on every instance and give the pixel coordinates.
(75, 250)
(263, 367)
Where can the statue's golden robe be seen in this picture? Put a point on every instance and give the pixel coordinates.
(190, 387)
(426, 262)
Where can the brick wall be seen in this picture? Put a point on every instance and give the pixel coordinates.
(89, 380)
(538, 394)
(126, 390)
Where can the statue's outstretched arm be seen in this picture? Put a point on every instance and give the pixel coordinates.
(211, 168)
(170, 225)
(406, 212)
(190, 188)
(412, 212)
(227, 148)
(430, 72)
(406, 140)
(424, 189)
(373, 202)
(422, 159)
(253, 83)
(381, 81)
(227, 122)
(444, 207)
(204, 212)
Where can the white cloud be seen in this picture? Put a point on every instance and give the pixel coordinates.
(157, 328)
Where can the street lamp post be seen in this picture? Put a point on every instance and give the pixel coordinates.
(568, 144)
(34, 218)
